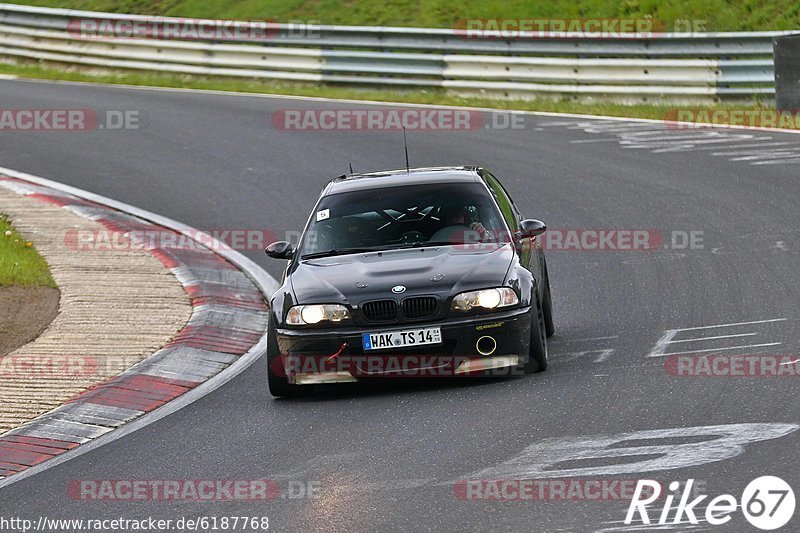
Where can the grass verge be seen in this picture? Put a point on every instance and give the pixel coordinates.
(20, 263)
(710, 15)
(425, 96)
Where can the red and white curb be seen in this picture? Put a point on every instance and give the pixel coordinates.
(225, 334)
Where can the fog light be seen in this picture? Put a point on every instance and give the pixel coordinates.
(486, 345)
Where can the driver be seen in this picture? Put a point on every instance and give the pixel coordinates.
(453, 215)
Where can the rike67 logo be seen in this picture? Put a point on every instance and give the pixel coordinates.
(767, 502)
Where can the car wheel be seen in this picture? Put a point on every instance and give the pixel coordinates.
(279, 385)
(537, 355)
(547, 306)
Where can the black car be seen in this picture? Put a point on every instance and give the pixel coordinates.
(418, 272)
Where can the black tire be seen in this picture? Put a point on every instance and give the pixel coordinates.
(279, 386)
(547, 306)
(537, 354)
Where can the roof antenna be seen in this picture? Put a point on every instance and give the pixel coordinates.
(405, 142)
(351, 168)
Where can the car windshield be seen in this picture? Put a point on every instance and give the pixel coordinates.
(403, 217)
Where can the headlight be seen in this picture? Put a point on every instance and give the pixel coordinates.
(485, 299)
(301, 315)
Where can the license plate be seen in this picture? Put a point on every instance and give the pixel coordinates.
(401, 339)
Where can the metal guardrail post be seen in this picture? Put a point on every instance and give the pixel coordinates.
(787, 73)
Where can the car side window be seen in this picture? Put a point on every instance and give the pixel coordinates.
(510, 213)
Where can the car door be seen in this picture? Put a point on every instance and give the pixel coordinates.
(528, 250)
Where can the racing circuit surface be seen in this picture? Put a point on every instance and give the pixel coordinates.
(386, 457)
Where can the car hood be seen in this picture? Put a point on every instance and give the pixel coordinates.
(443, 271)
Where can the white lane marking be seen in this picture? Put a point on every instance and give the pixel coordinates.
(662, 344)
(551, 458)
(617, 134)
(589, 141)
(708, 144)
(600, 356)
(769, 154)
(734, 324)
(714, 337)
(667, 139)
(717, 139)
(7, 77)
(616, 129)
(722, 349)
(672, 136)
(755, 145)
(600, 123)
(777, 162)
(592, 339)
(612, 129)
(677, 145)
(264, 281)
(769, 157)
(736, 149)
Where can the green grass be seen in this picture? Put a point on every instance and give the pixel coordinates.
(719, 15)
(20, 263)
(427, 96)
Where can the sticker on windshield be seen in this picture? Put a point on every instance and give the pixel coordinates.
(323, 215)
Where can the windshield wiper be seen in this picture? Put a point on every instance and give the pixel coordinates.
(435, 243)
(344, 251)
(338, 251)
(420, 244)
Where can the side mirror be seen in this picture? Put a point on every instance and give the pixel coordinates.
(531, 228)
(280, 250)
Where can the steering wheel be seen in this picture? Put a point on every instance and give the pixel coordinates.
(410, 237)
(453, 232)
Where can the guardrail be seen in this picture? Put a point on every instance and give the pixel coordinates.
(696, 68)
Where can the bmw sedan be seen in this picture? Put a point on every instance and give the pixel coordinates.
(423, 272)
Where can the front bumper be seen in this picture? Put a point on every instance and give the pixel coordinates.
(336, 355)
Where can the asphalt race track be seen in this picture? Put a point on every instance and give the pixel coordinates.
(386, 457)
